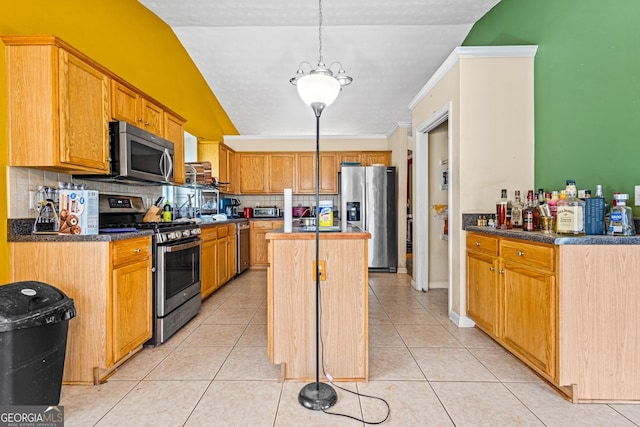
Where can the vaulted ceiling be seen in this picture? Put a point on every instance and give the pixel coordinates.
(247, 51)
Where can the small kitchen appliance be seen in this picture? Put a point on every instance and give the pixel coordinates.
(266, 212)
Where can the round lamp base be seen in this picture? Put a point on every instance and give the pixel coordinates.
(317, 396)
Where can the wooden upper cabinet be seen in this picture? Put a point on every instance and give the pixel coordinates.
(254, 173)
(365, 158)
(58, 106)
(282, 172)
(369, 158)
(306, 177)
(129, 105)
(307, 173)
(222, 159)
(174, 132)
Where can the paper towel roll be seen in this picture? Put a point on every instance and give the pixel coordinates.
(288, 204)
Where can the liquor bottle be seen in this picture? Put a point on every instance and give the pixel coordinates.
(528, 213)
(501, 210)
(594, 213)
(570, 218)
(516, 211)
(621, 218)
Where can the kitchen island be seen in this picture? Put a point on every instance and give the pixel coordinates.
(291, 304)
(569, 307)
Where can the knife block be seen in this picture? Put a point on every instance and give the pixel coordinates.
(152, 215)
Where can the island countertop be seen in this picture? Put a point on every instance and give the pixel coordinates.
(303, 233)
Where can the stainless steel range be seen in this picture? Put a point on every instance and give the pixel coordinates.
(176, 262)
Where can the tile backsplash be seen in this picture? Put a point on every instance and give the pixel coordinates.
(22, 182)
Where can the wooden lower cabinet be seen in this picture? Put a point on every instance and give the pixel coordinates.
(512, 296)
(258, 245)
(530, 312)
(209, 255)
(131, 298)
(482, 292)
(218, 262)
(111, 286)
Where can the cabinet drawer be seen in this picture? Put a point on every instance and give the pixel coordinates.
(126, 251)
(223, 231)
(209, 233)
(482, 243)
(528, 254)
(231, 229)
(262, 225)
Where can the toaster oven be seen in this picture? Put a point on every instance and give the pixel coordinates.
(266, 212)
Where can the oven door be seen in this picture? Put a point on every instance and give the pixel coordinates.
(178, 274)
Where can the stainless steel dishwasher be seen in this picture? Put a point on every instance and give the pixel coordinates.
(242, 239)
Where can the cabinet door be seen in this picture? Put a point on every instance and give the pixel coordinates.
(348, 156)
(376, 157)
(254, 173)
(83, 114)
(306, 182)
(152, 117)
(529, 315)
(328, 173)
(232, 256)
(282, 168)
(208, 277)
(222, 261)
(125, 104)
(232, 176)
(482, 291)
(174, 132)
(131, 299)
(223, 164)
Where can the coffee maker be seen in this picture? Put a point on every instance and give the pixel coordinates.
(229, 207)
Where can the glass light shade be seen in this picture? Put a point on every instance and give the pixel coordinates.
(319, 88)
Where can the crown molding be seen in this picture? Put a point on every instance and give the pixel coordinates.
(464, 52)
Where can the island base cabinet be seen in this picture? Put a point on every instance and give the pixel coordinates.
(344, 307)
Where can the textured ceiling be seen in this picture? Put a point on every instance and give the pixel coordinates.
(248, 50)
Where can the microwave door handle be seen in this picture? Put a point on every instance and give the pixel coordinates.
(170, 166)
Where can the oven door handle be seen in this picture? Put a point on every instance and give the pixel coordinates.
(182, 246)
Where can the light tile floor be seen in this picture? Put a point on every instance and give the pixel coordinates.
(215, 372)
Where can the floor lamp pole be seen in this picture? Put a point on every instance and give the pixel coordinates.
(317, 395)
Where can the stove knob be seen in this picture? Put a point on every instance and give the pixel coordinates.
(196, 231)
(186, 233)
(172, 236)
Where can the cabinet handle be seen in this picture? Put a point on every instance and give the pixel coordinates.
(500, 271)
(146, 123)
(139, 119)
(477, 243)
(138, 250)
(492, 269)
(520, 253)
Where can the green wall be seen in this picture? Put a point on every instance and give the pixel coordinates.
(587, 87)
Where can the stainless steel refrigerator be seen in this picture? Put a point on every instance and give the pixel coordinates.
(368, 199)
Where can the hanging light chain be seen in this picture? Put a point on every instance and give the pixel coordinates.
(320, 32)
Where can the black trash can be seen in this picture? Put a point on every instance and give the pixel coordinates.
(34, 318)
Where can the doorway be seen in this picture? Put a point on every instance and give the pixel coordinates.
(431, 158)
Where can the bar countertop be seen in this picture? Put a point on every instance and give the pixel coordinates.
(558, 239)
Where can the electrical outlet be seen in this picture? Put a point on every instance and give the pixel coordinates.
(636, 199)
(322, 270)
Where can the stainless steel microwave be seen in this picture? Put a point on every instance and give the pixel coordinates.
(137, 155)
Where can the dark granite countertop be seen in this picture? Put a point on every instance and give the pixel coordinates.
(557, 239)
(103, 237)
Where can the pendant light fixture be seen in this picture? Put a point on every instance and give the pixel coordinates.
(318, 88)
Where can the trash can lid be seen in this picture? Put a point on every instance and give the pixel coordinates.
(31, 303)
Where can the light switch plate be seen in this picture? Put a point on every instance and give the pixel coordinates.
(636, 199)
